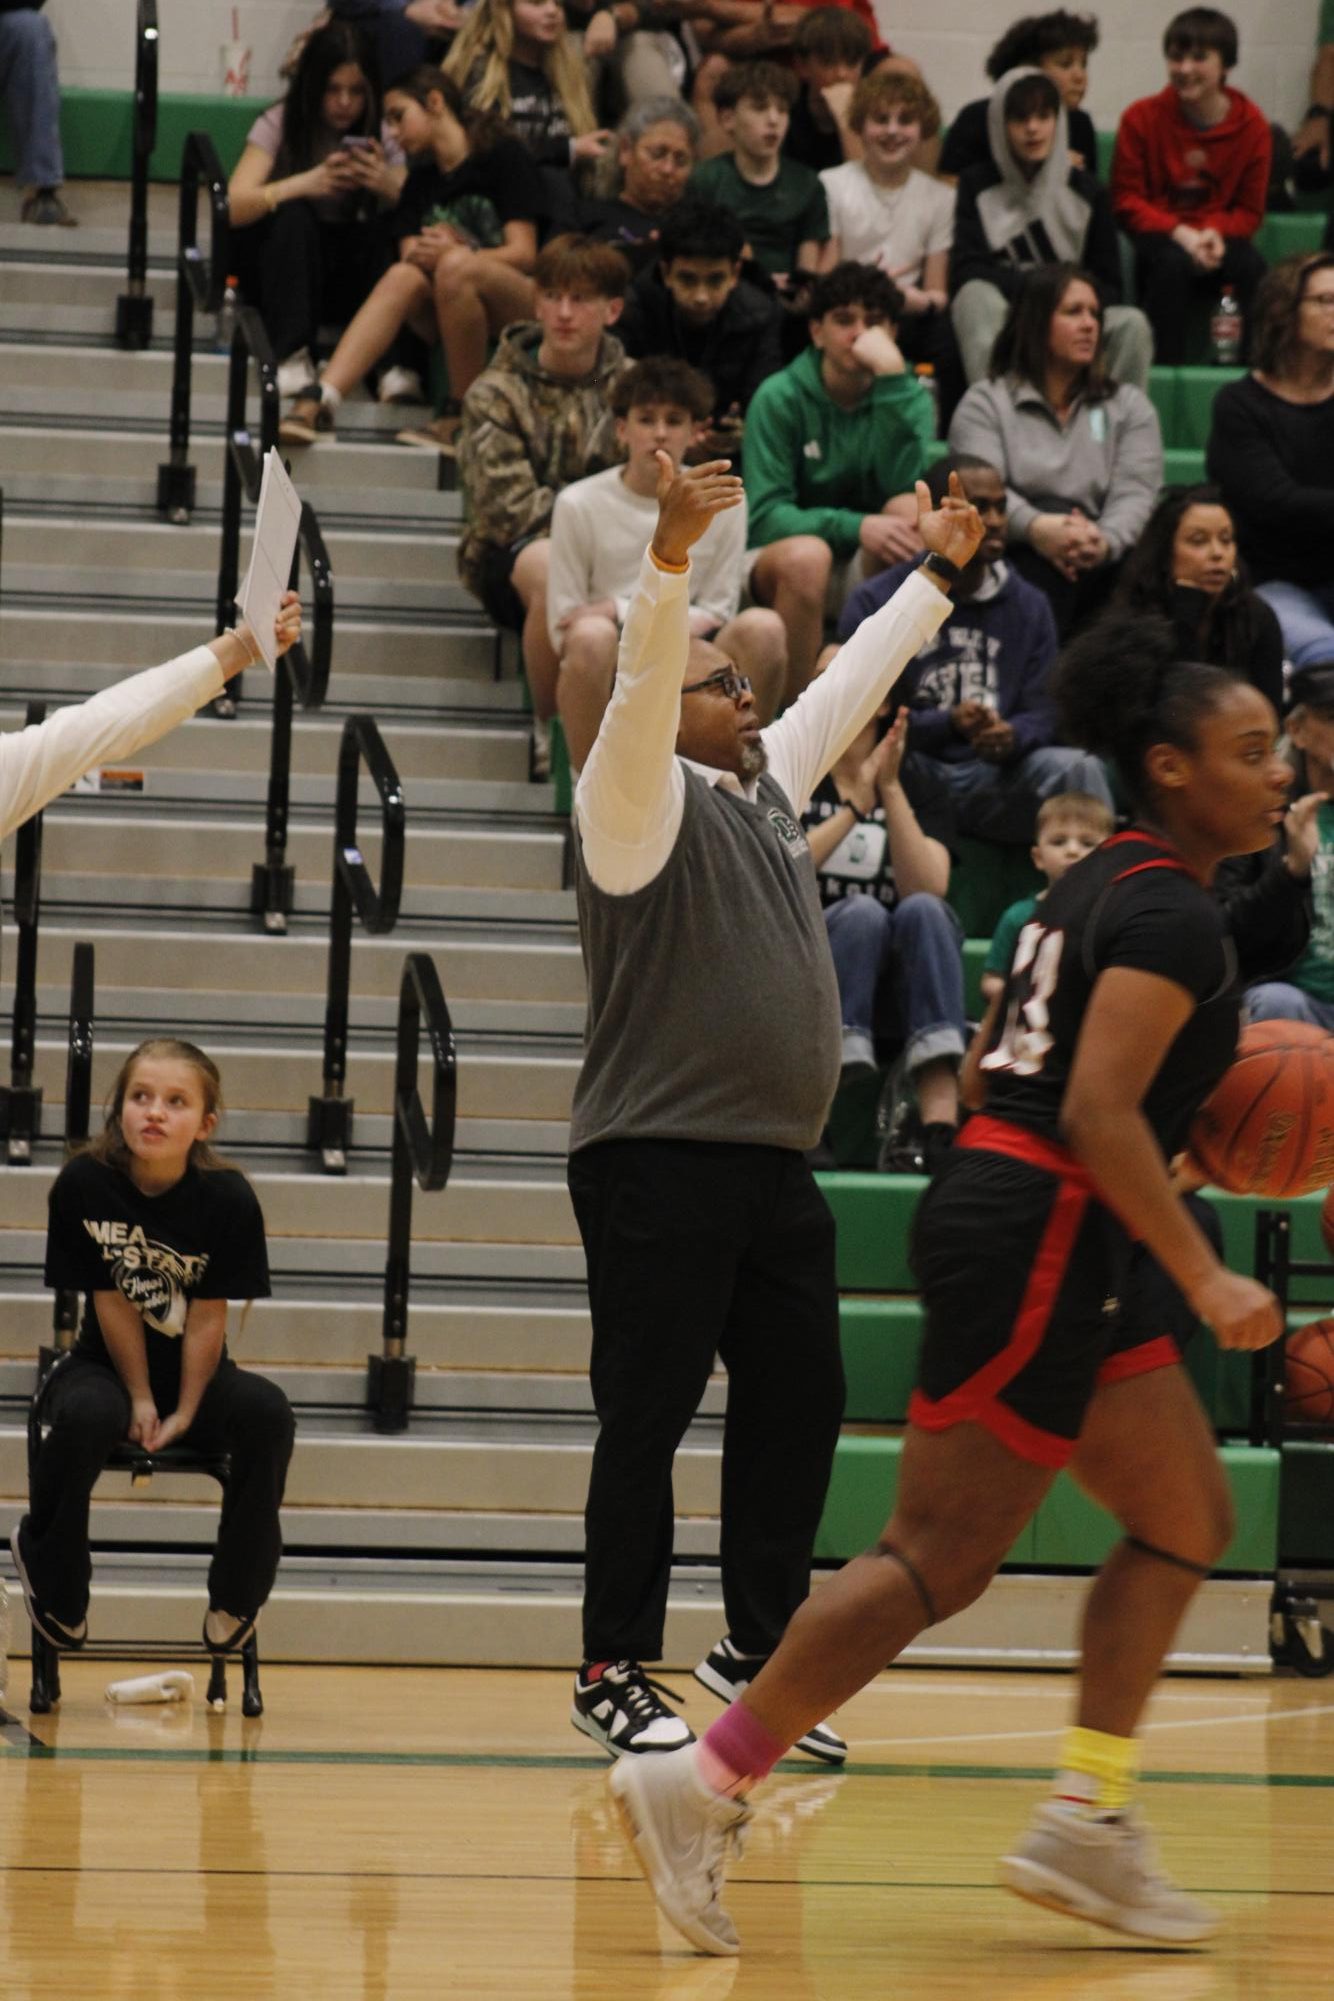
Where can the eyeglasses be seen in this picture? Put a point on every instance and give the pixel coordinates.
(727, 681)
(1325, 300)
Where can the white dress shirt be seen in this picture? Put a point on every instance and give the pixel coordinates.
(630, 796)
(38, 763)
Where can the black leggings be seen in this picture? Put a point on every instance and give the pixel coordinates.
(303, 273)
(89, 1412)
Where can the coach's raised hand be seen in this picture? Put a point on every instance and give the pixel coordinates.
(688, 499)
(952, 530)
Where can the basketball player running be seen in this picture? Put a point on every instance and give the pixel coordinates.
(1121, 1014)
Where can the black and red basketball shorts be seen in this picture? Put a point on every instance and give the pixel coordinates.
(1032, 1295)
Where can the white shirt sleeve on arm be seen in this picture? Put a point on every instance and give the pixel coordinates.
(631, 793)
(804, 743)
(569, 568)
(38, 763)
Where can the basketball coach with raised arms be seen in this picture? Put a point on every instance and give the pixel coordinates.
(713, 1051)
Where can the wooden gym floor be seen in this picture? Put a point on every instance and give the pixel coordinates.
(395, 1834)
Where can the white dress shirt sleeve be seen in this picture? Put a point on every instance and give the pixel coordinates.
(631, 793)
(805, 742)
(38, 763)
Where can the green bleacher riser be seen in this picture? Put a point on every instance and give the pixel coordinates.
(873, 1212)
(1068, 1532)
(1281, 235)
(1308, 1503)
(880, 1340)
(1183, 468)
(97, 132)
(1184, 400)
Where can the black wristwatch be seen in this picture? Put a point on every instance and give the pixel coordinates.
(941, 566)
(1319, 111)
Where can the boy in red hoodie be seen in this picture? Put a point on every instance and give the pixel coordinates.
(1189, 180)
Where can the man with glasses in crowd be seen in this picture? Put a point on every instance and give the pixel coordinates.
(713, 1049)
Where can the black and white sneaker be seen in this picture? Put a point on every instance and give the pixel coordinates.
(727, 1674)
(67, 1638)
(621, 1708)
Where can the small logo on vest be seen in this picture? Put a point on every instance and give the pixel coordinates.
(788, 832)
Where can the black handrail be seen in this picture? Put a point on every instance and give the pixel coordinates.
(78, 1102)
(329, 1128)
(303, 676)
(21, 1099)
(134, 307)
(423, 1153)
(200, 282)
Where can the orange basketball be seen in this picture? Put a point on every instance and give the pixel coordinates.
(1267, 1128)
(1308, 1383)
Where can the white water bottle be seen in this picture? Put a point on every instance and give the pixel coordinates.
(227, 311)
(1225, 330)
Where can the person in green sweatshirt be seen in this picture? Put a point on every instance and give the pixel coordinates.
(834, 444)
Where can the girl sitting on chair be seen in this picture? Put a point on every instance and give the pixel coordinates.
(159, 1234)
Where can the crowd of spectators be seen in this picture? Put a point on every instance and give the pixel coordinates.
(595, 235)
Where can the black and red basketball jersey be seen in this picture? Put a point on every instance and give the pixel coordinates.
(1132, 902)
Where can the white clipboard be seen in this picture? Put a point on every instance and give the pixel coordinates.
(277, 522)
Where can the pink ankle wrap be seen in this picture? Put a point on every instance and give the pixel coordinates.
(737, 1751)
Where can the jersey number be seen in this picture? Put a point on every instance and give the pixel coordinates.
(1024, 1044)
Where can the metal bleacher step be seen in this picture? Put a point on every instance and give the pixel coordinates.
(51, 467)
(475, 968)
(136, 843)
(515, 1082)
(488, 1331)
(445, 1461)
(528, 1205)
(78, 650)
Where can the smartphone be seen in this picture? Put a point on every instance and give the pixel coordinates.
(356, 142)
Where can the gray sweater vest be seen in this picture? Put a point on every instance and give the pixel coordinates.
(713, 1010)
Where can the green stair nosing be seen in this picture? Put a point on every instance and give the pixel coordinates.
(1068, 1531)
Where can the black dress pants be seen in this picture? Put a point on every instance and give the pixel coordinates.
(89, 1412)
(1167, 282)
(696, 1250)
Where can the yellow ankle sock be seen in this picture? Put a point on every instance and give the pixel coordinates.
(1097, 1770)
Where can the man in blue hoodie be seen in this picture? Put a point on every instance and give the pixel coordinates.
(977, 693)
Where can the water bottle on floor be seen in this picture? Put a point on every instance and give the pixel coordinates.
(1225, 330)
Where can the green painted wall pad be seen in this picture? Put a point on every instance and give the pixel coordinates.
(1068, 1531)
(97, 132)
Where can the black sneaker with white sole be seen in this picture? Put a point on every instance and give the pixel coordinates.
(727, 1673)
(67, 1638)
(621, 1708)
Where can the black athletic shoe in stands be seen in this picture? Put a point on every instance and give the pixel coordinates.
(621, 1708)
(727, 1673)
(67, 1638)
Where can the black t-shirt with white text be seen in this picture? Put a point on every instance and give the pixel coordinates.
(203, 1238)
(861, 864)
(1133, 903)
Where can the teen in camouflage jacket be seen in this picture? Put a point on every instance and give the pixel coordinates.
(525, 434)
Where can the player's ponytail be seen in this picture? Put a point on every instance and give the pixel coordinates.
(1121, 687)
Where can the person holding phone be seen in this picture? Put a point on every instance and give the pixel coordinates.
(308, 197)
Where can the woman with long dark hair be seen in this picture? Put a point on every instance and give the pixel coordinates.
(1186, 565)
(466, 229)
(1120, 1013)
(306, 197)
(1271, 449)
(1081, 455)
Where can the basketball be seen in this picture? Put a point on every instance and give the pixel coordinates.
(1267, 1128)
(1308, 1382)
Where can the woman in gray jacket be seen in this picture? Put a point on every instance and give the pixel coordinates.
(1081, 454)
